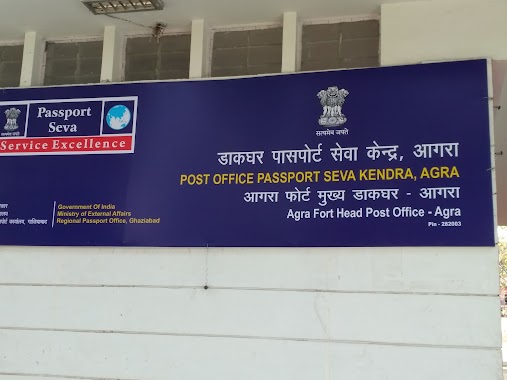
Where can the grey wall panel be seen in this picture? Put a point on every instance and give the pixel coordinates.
(73, 63)
(149, 59)
(10, 65)
(341, 45)
(247, 52)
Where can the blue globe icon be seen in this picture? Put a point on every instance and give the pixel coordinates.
(118, 117)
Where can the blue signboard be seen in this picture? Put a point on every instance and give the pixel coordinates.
(394, 156)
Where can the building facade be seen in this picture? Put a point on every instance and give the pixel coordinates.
(249, 313)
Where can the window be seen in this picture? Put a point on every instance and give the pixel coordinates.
(73, 63)
(11, 58)
(342, 45)
(247, 52)
(149, 59)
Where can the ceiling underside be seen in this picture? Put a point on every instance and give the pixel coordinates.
(63, 18)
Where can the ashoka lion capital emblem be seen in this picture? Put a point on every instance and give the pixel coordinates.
(12, 115)
(332, 101)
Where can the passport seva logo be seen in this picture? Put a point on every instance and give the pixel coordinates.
(69, 126)
(118, 117)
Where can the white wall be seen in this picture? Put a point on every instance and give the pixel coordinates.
(285, 314)
(386, 313)
(443, 30)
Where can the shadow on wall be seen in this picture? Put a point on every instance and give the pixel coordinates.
(502, 252)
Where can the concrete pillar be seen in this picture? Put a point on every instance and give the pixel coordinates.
(198, 49)
(32, 60)
(111, 55)
(290, 41)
